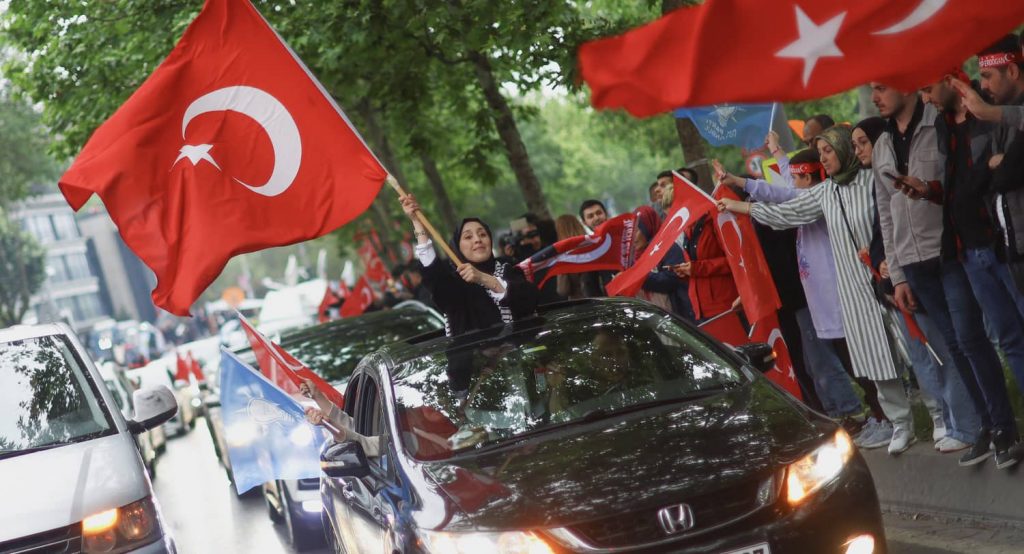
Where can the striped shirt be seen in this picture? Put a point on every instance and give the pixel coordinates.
(863, 316)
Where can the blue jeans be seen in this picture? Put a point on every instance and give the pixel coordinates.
(1000, 300)
(830, 380)
(939, 382)
(943, 290)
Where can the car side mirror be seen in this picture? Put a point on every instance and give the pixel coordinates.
(760, 355)
(153, 407)
(344, 459)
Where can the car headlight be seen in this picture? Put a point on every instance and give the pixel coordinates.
(121, 529)
(511, 542)
(818, 468)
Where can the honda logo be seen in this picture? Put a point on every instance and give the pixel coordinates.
(676, 519)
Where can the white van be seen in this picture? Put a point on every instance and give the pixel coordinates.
(68, 455)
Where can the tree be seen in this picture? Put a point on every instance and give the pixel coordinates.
(22, 271)
(23, 158)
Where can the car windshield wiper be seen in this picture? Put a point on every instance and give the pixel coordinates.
(12, 453)
(599, 414)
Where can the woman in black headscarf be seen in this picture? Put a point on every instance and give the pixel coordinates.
(476, 291)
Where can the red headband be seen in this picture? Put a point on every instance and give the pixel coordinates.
(805, 169)
(997, 60)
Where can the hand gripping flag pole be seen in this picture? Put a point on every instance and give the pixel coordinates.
(438, 239)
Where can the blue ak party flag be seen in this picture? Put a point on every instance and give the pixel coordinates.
(267, 434)
(743, 125)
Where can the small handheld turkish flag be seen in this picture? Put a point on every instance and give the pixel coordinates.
(746, 261)
(787, 50)
(230, 146)
(282, 369)
(767, 330)
(359, 300)
(609, 248)
(689, 204)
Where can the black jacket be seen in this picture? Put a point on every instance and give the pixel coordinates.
(467, 306)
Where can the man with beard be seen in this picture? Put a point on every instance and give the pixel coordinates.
(907, 157)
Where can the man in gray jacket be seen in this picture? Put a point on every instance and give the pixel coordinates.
(907, 157)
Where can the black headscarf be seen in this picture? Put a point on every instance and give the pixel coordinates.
(872, 127)
(487, 266)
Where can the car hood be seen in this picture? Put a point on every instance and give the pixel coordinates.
(58, 487)
(641, 460)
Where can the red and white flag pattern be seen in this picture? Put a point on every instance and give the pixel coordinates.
(608, 248)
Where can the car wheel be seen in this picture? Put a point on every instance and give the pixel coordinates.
(301, 539)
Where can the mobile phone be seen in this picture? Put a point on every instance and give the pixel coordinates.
(891, 176)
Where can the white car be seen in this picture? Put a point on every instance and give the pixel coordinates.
(69, 466)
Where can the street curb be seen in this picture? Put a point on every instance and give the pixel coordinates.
(922, 480)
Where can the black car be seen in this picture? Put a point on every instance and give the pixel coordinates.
(332, 350)
(597, 426)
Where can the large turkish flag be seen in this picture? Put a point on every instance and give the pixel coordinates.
(230, 146)
(689, 204)
(767, 330)
(783, 50)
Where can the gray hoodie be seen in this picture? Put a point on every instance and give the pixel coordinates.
(911, 229)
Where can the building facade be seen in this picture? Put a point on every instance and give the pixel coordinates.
(74, 290)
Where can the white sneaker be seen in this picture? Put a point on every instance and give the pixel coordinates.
(938, 433)
(949, 444)
(901, 441)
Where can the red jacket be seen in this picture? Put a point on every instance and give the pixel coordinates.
(712, 289)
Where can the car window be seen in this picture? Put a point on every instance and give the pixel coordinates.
(46, 396)
(352, 396)
(561, 372)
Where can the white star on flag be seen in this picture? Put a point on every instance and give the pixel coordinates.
(655, 249)
(195, 154)
(815, 42)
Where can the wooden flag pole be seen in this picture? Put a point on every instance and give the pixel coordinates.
(438, 239)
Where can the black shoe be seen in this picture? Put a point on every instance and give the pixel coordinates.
(852, 425)
(1007, 449)
(978, 453)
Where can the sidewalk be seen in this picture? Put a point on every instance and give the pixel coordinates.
(922, 481)
(928, 535)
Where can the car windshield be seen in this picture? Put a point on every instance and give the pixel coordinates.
(45, 396)
(333, 350)
(561, 373)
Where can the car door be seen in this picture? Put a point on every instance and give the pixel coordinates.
(366, 517)
(338, 488)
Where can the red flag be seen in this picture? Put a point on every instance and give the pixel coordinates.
(767, 330)
(786, 51)
(609, 248)
(195, 368)
(230, 146)
(182, 369)
(746, 261)
(330, 299)
(359, 300)
(727, 328)
(283, 369)
(375, 272)
(689, 204)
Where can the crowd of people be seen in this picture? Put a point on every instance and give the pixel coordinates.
(896, 245)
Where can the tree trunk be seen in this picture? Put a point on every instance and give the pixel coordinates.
(444, 203)
(690, 140)
(694, 152)
(515, 150)
(380, 212)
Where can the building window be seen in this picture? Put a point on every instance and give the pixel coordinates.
(77, 266)
(40, 227)
(64, 226)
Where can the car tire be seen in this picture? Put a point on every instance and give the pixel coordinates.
(300, 538)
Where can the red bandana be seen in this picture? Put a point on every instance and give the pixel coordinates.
(805, 169)
(997, 60)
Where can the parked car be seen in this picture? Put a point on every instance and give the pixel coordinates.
(597, 426)
(151, 442)
(332, 350)
(70, 470)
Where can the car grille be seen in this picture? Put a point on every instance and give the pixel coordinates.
(309, 484)
(65, 539)
(709, 511)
